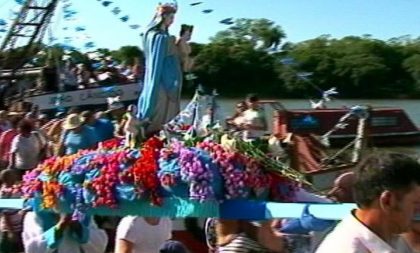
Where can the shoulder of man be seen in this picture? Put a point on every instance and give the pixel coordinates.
(344, 237)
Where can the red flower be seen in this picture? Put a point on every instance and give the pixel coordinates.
(111, 143)
(145, 170)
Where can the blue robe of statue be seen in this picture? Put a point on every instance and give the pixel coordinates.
(159, 100)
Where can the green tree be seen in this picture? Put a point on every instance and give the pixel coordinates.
(237, 68)
(412, 66)
(128, 54)
(104, 51)
(262, 33)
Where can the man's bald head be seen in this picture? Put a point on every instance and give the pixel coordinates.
(342, 190)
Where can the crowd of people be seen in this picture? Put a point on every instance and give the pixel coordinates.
(68, 75)
(386, 189)
(79, 76)
(385, 186)
(26, 139)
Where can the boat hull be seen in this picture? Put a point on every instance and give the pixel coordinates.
(378, 140)
(323, 179)
(385, 126)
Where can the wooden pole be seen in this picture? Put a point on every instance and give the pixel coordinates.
(360, 140)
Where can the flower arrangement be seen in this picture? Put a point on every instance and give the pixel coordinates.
(112, 175)
(191, 170)
(243, 175)
(111, 144)
(50, 193)
(144, 170)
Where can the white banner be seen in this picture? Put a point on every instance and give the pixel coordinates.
(92, 96)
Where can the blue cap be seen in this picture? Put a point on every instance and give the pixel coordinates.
(173, 247)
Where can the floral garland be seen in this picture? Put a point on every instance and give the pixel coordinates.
(48, 188)
(193, 171)
(105, 177)
(242, 175)
(51, 191)
(144, 171)
(104, 185)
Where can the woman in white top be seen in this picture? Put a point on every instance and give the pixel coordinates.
(142, 235)
(25, 151)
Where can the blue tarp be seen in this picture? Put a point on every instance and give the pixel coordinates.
(230, 209)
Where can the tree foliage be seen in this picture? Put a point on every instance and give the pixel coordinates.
(261, 33)
(237, 61)
(128, 54)
(243, 59)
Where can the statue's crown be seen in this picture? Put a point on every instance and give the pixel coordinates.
(167, 8)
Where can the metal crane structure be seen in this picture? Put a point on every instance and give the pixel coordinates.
(25, 35)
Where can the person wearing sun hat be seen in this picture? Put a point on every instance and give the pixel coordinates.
(76, 136)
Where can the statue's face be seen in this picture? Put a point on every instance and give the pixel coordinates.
(168, 20)
(187, 35)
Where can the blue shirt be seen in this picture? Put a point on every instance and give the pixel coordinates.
(85, 139)
(104, 129)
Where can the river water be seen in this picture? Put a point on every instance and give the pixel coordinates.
(411, 107)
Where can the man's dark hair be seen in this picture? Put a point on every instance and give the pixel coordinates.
(73, 110)
(252, 97)
(87, 114)
(26, 126)
(14, 121)
(384, 171)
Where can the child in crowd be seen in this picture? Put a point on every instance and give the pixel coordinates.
(10, 220)
(133, 128)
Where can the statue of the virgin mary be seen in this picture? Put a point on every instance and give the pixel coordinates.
(159, 100)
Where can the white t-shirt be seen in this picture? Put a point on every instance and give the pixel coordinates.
(402, 246)
(255, 118)
(352, 236)
(145, 237)
(27, 151)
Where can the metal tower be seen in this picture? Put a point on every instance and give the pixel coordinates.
(26, 33)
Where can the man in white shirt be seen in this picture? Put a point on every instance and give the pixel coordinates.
(254, 123)
(26, 148)
(387, 191)
(142, 235)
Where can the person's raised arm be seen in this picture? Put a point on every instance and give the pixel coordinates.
(270, 238)
(12, 155)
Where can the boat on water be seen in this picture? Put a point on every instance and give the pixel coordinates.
(385, 126)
